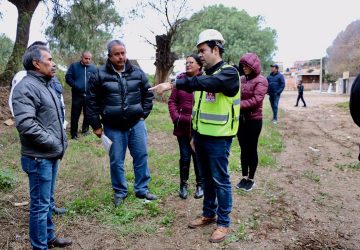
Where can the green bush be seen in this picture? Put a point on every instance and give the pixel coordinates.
(7, 180)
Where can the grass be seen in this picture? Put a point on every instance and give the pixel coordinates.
(343, 105)
(349, 166)
(84, 185)
(311, 176)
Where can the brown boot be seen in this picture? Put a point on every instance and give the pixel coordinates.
(219, 234)
(201, 221)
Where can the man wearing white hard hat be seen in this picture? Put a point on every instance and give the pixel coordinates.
(215, 122)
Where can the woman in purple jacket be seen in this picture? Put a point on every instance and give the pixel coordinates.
(253, 89)
(180, 108)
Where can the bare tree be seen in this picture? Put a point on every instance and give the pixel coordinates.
(172, 13)
(26, 9)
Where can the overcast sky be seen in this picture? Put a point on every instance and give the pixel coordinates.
(305, 28)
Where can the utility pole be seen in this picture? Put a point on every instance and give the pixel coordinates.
(320, 75)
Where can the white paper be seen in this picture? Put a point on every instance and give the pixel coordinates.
(106, 142)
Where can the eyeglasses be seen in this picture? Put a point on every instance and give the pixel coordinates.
(189, 63)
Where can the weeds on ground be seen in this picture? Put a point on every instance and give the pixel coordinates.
(349, 166)
(311, 176)
(343, 105)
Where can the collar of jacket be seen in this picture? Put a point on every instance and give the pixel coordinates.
(42, 78)
(128, 66)
(214, 68)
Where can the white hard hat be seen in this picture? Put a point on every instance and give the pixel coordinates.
(210, 35)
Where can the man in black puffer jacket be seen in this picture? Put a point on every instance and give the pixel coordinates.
(118, 102)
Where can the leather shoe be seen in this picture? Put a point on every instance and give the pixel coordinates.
(201, 221)
(199, 192)
(59, 210)
(59, 242)
(219, 234)
(147, 196)
(118, 201)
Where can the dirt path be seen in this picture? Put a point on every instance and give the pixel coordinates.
(306, 202)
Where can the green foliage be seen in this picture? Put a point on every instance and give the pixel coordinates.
(6, 46)
(87, 26)
(7, 180)
(242, 32)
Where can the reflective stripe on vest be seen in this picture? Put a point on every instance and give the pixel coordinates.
(215, 114)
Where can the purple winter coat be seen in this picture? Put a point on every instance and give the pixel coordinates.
(253, 88)
(180, 107)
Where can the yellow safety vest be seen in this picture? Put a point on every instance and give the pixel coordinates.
(216, 114)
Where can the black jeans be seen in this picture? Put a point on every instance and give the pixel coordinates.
(300, 96)
(248, 136)
(186, 153)
(78, 104)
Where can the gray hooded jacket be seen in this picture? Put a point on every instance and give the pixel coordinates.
(37, 113)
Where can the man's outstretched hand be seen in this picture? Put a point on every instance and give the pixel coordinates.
(161, 88)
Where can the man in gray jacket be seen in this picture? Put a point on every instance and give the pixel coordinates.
(37, 112)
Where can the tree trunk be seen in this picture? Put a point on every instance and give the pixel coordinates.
(164, 58)
(26, 10)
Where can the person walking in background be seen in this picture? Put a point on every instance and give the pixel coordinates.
(118, 104)
(215, 122)
(57, 87)
(276, 86)
(180, 108)
(77, 76)
(300, 88)
(38, 116)
(253, 90)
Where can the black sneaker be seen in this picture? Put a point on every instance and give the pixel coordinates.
(242, 184)
(249, 185)
(148, 196)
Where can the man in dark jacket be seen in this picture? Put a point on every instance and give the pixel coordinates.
(118, 104)
(77, 77)
(38, 116)
(276, 86)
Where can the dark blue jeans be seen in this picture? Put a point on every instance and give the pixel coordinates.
(42, 175)
(135, 139)
(186, 153)
(274, 102)
(212, 154)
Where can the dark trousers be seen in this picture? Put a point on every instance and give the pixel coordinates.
(248, 136)
(186, 153)
(78, 104)
(274, 102)
(300, 96)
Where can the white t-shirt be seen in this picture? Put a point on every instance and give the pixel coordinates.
(17, 78)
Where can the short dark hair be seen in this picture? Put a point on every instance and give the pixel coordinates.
(213, 44)
(39, 43)
(31, 54)
(197, 59)
(113, 43)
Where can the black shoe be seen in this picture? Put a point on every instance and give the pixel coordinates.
(147, 196)
(59, 210)
(74, 137)
(199, 193)
(118, 201)
(183, 193)
(59, 242)
(86, 133)
(242, 184)
(249, 185)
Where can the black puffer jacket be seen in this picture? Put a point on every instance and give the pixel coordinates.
(118, 101)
